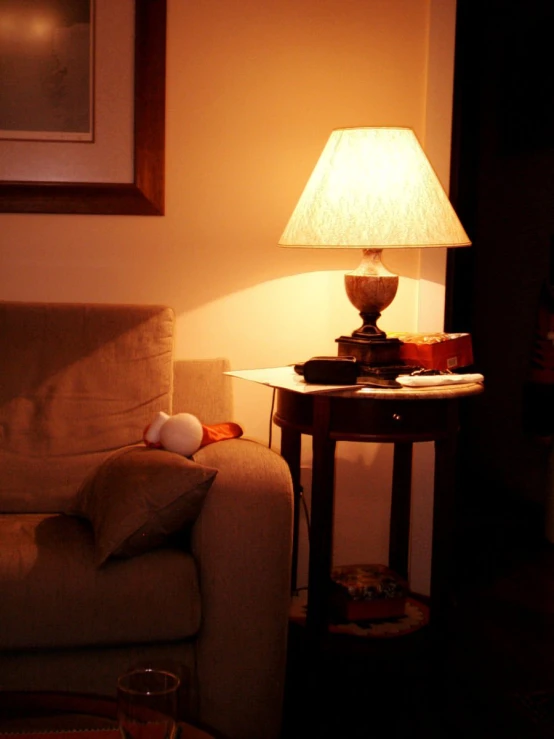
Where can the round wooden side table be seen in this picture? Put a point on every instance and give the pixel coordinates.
(398, 416)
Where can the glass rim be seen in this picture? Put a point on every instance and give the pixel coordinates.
(143, 671)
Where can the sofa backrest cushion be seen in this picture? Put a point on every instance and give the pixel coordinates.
(78, 381)
(200, 387)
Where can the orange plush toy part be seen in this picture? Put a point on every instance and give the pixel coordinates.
(184, 434)
(220, 432)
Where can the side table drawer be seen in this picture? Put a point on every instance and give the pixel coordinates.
(389, 420)
(357, 418)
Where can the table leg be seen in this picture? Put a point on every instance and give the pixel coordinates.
(399, 536)
(291, 441)
(443, 532)
(322, 514)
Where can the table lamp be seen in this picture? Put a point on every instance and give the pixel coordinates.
(373, 189)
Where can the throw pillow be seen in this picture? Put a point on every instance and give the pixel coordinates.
(138, 497)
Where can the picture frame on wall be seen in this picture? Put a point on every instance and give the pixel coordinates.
(113, 162)
(47, 70)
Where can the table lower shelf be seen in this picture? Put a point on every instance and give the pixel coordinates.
(416, 616)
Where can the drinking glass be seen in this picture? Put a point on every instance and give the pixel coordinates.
(147, 704)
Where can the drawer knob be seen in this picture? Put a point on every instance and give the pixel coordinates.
(396, 417)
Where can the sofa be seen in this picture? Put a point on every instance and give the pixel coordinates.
(113, 553)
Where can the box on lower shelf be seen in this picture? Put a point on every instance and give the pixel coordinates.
(365, 591)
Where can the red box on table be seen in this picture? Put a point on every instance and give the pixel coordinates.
(437, 351)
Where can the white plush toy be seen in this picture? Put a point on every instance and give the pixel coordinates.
(184, 434)
(181, 433)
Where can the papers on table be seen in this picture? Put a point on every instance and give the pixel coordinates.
(288, 379)
(285, 378)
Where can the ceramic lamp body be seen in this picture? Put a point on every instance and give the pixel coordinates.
(370, 289)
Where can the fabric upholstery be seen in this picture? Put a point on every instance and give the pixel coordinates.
(54, 596)
(201, 388)
(84, 670)
(78, 382)
(138, 498)
(242, 542)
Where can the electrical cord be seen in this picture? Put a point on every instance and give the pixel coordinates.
(301, 491)
(270, 435)
(306, 513)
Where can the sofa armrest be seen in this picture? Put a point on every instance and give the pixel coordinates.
(242, 542)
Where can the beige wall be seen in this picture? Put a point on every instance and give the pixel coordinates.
(254, 89)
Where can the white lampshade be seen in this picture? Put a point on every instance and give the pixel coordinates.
(374, 188)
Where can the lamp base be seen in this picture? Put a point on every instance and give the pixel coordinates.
(375, 351)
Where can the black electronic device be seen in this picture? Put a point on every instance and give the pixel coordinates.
(376, 381)
(349, 371)
(387, 371)
(329, 370)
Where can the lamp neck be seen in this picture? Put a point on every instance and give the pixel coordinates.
(371, 264)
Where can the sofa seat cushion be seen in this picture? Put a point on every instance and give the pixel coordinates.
(53, 595)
